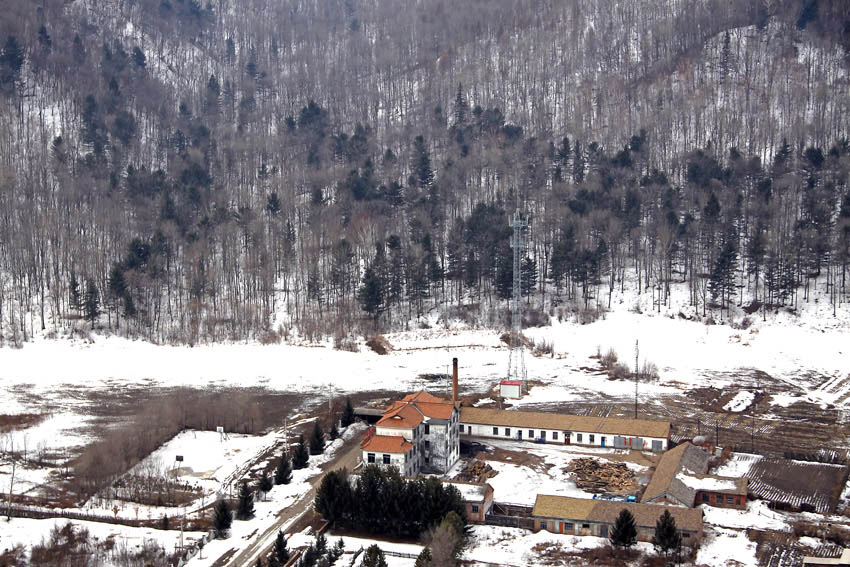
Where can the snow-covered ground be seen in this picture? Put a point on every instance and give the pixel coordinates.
(515, 546)
(722, 547)
(512, 482)
(28, 532)
(60, 373)
(244, 534)
(740, 402)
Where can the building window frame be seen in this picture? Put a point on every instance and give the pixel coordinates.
(370, 458)
(475, 508)
(495, 431)
(507, 432)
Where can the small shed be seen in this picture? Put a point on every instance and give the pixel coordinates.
(477, 498)
(510, 389)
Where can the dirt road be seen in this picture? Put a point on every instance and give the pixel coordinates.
(347, 457)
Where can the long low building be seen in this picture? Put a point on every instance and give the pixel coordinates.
(584, 517)
(640, 434)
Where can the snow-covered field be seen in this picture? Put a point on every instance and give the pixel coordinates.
(27, 532)
(807, 354)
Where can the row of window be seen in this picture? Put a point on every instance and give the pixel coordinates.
(729, 498)
(554, 434)
(370, 458)
(569, 527)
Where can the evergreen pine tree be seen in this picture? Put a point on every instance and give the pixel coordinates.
(424, 558)
(164, 522)
(283, 472)
(529, 275)
(334, 432)
(347, 413)
(667, 536)
(281, 551)
(371, 294)
(317, 439)
(223, 519)
(301, 456)
(76, 297)
(321, 543)
(373, 557)
(336, 551)
(265, 483)
(11, 61)
(245, 510)
(624, 532)
(92, 302)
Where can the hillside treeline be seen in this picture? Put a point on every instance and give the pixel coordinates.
(188, 171)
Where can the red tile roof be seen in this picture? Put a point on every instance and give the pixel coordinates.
(423, 396)
(401, 415)
(387, 444)
(436, 411)
(511, 382)
(414, 408)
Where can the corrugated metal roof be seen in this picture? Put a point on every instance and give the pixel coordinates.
(566, 422)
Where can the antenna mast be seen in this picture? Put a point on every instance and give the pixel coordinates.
(516, 356)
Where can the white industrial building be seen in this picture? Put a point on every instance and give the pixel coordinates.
(619, 433)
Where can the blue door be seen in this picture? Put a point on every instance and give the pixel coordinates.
(603, 444)
(519, 434)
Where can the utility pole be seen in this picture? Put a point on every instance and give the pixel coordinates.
(636, 377)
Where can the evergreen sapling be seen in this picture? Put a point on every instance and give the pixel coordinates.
(283, 473)
(301, 456)
(223, 519)
(624, 532)
(317, 439)
(265, 483)
(245, 510)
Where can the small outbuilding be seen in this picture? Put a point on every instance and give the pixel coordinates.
(510, 389)
(478, 499)
(584, 517)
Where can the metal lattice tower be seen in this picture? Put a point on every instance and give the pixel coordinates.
(516, 356)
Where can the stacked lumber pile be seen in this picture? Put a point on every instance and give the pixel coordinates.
(476, 472)
(600, 477)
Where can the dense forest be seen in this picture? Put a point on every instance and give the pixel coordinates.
(186, 171)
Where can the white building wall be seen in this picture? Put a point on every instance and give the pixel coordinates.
(407, 467)
(551, 436)
(395, 432)
(510, 391)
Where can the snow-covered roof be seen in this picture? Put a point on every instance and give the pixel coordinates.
(470, 492)
(709, 483)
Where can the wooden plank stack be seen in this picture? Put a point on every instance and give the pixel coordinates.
(600, 477)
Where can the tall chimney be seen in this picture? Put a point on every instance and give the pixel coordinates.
(454, 381)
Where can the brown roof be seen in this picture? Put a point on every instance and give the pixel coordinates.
(565, 422)
(435, 411)
(664, 481)
(423, 396)
(414, 408)
(606, 512)
(387, 444)
(401, 415)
